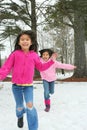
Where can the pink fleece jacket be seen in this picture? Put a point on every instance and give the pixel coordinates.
(50, 74)
(22, 66)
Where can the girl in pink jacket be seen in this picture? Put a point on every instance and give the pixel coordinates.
(22, 63)
(49, 76)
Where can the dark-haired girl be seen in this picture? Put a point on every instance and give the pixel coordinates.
(49, 76)
(22, 62)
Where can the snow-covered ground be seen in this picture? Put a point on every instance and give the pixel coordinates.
(68, 107)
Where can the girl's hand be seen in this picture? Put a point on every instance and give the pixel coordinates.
(54, 56)
(75, 67)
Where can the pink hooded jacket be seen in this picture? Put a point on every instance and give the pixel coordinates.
(50, 74)
(22, 66)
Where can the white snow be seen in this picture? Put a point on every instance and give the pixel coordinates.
(68, 107)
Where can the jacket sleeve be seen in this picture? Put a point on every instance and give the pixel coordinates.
(7, 66)
(64, 66)
(42, 66)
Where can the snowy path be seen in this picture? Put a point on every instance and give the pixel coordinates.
(68, 107)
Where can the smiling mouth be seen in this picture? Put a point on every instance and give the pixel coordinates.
(45, 59)
(25, 45)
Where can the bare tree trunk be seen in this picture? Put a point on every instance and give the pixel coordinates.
(79, 38)
(34, 26)
(33, 15)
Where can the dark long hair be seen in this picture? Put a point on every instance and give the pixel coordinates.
(32, 36)
(50, 52)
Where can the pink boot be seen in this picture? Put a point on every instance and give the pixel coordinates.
(47, 104)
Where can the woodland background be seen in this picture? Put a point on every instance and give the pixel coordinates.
(59, 24)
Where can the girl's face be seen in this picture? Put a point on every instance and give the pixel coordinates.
(45, 56)
(25, 42)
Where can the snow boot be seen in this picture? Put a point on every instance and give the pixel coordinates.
(20, 122)
(47, 109)
(47, 104)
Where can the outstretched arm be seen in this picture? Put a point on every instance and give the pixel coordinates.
(64, 66)
(7, 66)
